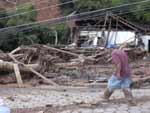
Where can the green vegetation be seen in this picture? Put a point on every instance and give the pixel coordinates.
(139, 16)
(67, 8)
(92, 5)
(41, 34)
(62, 30)
(25, 18)
(44, 34)
(11, 38)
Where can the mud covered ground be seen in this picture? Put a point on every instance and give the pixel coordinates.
(80, 94)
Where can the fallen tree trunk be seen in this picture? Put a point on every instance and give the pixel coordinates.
(9, 67)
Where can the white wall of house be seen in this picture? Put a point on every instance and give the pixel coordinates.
(119, 36)
(145, 39)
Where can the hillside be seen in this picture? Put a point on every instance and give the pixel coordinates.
(47, 13)
(4, 4)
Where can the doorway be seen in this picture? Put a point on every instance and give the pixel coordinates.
(149, 46)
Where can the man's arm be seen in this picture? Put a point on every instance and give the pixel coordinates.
(118, 70)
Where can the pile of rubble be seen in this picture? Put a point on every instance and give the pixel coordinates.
(43, 59)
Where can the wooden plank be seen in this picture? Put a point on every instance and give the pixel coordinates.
(18, 55)
(13, 58)
(18, 75)
(16, 50)
(41, 76)
(109, 30)
(141, 28)
(124, 23)
(105, 22)
(62, 51)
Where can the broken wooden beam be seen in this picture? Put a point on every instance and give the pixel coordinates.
(15, 50)
(18, 75)
(34, 71)
(62, 51)
(41, 76)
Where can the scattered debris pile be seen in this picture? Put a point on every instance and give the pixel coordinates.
(43, 59)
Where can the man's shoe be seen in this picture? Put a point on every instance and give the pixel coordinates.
(132, 102)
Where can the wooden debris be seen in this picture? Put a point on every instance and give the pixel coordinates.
(41, 76)
(35, 72)
(41, 59)
(18, 75)
(59, 50)
(15, 50)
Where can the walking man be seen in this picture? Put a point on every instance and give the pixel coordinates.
(121, 78)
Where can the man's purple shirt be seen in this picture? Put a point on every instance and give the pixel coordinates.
(119, 56)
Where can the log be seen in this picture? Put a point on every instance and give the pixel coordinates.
(9, 67)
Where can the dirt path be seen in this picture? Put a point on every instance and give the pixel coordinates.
(84, 107)
(71, 100)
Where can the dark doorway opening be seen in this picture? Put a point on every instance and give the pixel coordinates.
(149, 46)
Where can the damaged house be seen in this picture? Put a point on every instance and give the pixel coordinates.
(109, 31)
